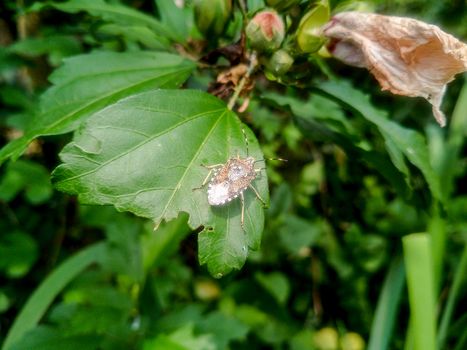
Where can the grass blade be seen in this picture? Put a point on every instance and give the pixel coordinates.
(386, 310)
(459, 277)
(44, 295)
(420, 282)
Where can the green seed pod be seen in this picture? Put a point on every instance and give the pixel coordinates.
(211, 16)
(280, 62)
(309, 38)
(282, 5)
(266, 31)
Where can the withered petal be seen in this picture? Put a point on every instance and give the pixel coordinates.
(407, 57)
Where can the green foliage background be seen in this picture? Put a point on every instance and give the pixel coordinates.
(106, 242)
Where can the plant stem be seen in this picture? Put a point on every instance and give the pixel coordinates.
(239, 88)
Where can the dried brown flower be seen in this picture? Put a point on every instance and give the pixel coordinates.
(407, 57)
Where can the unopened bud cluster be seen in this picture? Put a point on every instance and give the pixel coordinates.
(265, 33)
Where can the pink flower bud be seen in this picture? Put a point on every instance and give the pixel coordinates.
(266, 31)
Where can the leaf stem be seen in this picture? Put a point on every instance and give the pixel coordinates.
(239, 88)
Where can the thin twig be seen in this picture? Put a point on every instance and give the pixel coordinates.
(239, 88)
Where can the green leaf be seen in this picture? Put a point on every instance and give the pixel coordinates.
(43, 296)
(48, 338)
(5, 302)
(18, 252)
(31, 177)
(267, 327)
(454, 294)
(56, 46)
(303, 340)
(189, 313)
(157, 248)
(223, 328)
(297, 233)
(110, 12)
(276, 284)
(182, 339)
(400, 141)
(140, 34)
(323, 120)
(145, 154)
(420, 283)
(388, 304)
(88, 83)
(175, 18)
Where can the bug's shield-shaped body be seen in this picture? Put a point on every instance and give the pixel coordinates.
(230, 180)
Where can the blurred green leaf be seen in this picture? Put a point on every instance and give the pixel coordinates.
(297, 233)
(88, 83)
(400, 141)
(276, 284)
(158, 246)
(55, 46)
(303, 340)
(5, 302)
(124, 254)
(223, 328)
(311, 179)
(454, 294)
(43, 296)
(47, 338)
(266, 327)
(27, 176)
(189, 314)
(281, 201)
(182, 339)
(323, 120)
(111, 12)
(140, 34)
(316, 107)
(18, 252)
(384, 319)
(16, 97)
(269, 123)
(176, 19)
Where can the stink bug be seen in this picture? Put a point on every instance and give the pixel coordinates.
(228, 181)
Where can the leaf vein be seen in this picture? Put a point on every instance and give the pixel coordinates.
(191, 162)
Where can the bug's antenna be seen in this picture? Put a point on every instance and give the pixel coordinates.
(262, 160)
(246, 142)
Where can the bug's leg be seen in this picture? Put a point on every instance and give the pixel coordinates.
(259, 171)
(242, 217)
(257, 195)
(205, 181)
(212, 166)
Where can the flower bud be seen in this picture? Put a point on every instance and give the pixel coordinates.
(352, 341)
(326, 339)
(309, 36)
(280, 62)
(282, 5)
(206, 290)
(266, 31)
(211, 16)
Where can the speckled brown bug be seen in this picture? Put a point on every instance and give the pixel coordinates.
(228, 181)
